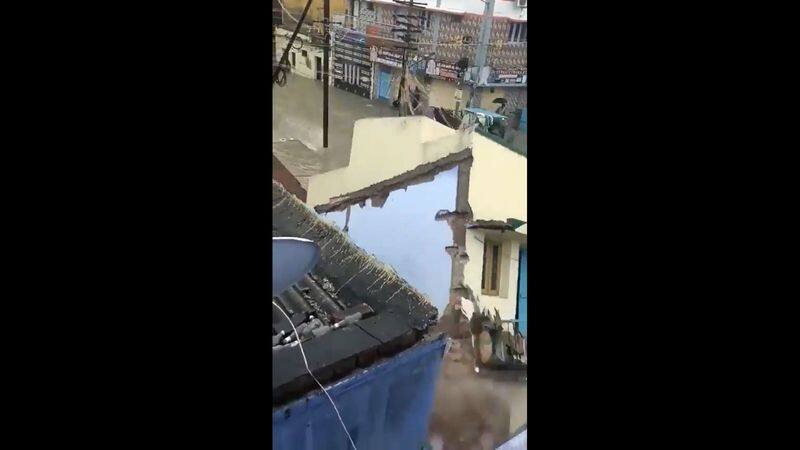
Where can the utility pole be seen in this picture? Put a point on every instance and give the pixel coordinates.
(409, 30)
(483, 48)
(326, 66)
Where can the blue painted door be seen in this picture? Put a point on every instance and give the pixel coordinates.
(522, 292)
(384, 84)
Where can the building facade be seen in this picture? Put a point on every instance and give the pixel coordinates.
(446, 51)
(435, 204)
(304, 58)
(367, 54)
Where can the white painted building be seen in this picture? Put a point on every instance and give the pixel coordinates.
(304, 58)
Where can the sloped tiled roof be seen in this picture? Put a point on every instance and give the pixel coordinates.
(346, 280)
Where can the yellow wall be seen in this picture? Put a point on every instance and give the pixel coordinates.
(384, 148)
(498, 182)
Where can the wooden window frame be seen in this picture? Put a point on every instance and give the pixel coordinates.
(492, 259)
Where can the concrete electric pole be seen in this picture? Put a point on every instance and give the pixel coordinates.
(326, 69)
(484, 37)
(410, 28)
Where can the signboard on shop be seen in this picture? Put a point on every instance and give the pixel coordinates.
(378, 37)
(508, 76)
(443, 70)
(386, 57)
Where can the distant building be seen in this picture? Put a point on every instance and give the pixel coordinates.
(447, 49)
(446, 209)
(304, 58)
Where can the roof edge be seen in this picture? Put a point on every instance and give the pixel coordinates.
(417, 175)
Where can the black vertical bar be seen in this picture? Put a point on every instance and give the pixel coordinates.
(327, 69)
(401, 105)
(285, 58)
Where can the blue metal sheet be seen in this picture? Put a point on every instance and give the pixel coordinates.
(387, 406)
(522, 293)
(384, 85)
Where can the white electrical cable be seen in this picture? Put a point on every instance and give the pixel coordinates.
(303, 353)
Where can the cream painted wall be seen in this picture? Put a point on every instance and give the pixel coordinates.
(384, 148)
(506, 302)
(498, 182)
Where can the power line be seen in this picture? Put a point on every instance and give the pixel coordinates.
(305, 361)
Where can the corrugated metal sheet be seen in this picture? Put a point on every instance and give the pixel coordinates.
(387, 406)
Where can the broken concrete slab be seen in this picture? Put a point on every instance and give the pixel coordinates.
(420, 174)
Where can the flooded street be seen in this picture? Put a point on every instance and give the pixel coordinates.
(297, 114)
(476, 412)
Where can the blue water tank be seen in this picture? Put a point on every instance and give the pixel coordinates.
(386, 406)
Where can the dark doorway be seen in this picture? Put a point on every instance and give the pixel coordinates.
(319, 67)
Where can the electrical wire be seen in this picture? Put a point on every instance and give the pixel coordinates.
(303, 353)
(457, 42)
(287, 12)
(453, 43)
(285, 55)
